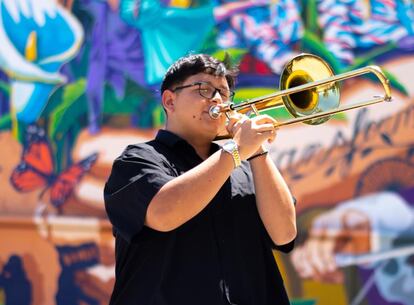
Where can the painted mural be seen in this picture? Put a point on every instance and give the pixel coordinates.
(79, 81)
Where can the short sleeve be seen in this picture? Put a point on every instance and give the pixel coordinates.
(135, 179)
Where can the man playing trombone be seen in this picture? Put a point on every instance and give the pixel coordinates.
(195, 222)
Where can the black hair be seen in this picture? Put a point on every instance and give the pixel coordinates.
(193, 64)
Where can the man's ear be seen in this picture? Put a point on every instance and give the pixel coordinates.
(168, 101)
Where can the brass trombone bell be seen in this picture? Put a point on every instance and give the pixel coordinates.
(310, 92)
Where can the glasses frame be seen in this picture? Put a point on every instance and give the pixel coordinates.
(229, 99)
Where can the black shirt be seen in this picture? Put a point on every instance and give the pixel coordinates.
(223, 255)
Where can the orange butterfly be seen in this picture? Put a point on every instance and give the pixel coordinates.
(36, 169)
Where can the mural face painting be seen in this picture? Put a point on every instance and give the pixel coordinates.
(80, 80)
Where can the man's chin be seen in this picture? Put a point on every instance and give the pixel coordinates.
(214, 128)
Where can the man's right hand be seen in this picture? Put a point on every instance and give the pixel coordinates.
(251, 133)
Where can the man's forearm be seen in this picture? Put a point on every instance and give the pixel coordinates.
(274, 200)
(185, 196)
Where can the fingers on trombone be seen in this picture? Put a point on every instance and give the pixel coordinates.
(234, 115)
(272, 137)
(267, 126)
(269, 134)
(235, 120)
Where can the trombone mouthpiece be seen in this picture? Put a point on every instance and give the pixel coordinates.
(214, 112)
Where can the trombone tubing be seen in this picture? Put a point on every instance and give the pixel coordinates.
(318, 115)
(368, 69)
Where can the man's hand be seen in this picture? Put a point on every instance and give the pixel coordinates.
(251, 133)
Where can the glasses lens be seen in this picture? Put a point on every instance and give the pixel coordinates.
(206, 90)
(209, 91)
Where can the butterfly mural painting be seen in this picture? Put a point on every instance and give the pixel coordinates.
(36, 169)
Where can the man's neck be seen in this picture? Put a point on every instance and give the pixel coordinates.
(200, 143)
(202, 148)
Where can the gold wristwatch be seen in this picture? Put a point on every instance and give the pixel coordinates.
(231, 147)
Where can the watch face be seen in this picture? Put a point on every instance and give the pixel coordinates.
(229, 145)
(231, 148)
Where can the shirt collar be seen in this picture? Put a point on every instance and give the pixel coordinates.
(168, 138)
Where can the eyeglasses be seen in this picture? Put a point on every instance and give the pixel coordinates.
(208, 91)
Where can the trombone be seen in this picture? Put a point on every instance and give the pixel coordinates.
(310, 92)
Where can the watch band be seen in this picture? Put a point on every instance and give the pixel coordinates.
(236, 157)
